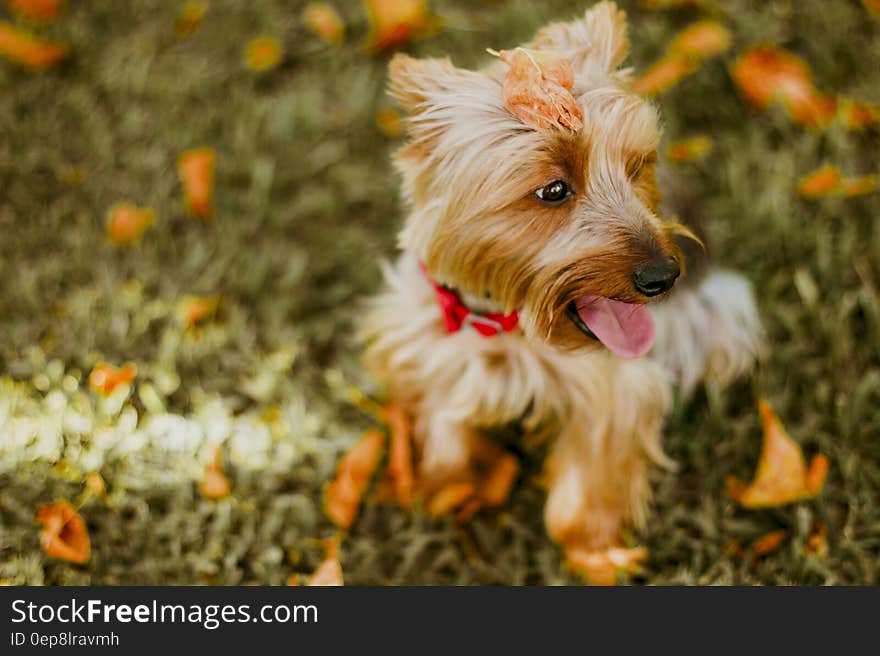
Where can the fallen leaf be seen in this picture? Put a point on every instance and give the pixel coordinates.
(856, 115)
(603, 567)
(782, 476)
(767, 74)
(690, 149)
(733, 549)
(701, 40)
(537, 89)
(39, 11)
(817, 542)
(394, 22)
(196, 169)
(28, 50)
(390, 122)
(126, 223)
(400, 466)
(343, 495)
(824, 181)
(196, 309)
(64, 535)
(95, 485)
(450, 497)
(190, 18)
(663, 75)
(769, 542)
(324, 21)
(105, 378)
(329, 572)
(873, 6)
(263, 53)
(214, 484)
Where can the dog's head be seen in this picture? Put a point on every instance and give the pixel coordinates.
(561, 225)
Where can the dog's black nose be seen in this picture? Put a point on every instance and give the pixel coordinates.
(657, 276)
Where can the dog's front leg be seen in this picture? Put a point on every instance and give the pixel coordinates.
(597, 470)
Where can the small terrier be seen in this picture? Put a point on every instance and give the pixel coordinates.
(530, 253)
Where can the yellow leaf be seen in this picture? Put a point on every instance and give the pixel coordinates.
(782, 476)
(703, 39)
(262, 53)
(389, 122)
(324, 21)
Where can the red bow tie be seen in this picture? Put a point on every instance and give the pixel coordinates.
(457, 315)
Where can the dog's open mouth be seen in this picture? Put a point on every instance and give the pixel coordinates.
(625, 329)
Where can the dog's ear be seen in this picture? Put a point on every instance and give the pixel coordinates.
(596, 44)
(418, 84)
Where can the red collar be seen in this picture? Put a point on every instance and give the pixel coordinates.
(457, 315)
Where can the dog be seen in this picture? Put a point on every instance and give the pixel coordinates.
(538, 284)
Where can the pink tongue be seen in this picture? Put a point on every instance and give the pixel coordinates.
(626, 329)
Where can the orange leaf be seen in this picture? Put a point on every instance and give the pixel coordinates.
(196, 169)
(343, 495)
(769, 542)
(394, 22)
(27, 50)
(537, 89)
(64, 534)
(322, 19)
(690, 149)
(603, 567)
(873, 6)
(126, 223)
(40, 11)
(390, 122)
(817, 542)
(824, 181)
(450, 497)
(400, 465)
(195, 309)
(214, 484)
(703, 39)
(782, 475)
(663, 75)
(329, 572)
(190, 17)
(262, 53)
(816, 474)
(105, 378)
(767, 74)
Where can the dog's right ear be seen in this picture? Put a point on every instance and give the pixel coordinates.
(419, 84)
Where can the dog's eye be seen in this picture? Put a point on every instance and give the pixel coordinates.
(554, 193)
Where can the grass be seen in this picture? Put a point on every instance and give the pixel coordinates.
(307, 207)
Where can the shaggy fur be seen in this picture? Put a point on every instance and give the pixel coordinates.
(470, 170)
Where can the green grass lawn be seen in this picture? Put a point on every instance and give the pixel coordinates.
(307, 206)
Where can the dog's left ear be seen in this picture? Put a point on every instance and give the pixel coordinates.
(596, 44)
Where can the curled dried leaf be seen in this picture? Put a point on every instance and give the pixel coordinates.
(64, 535)
(782, 476)
(342, 496)
(537, 89)
(29, 50)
